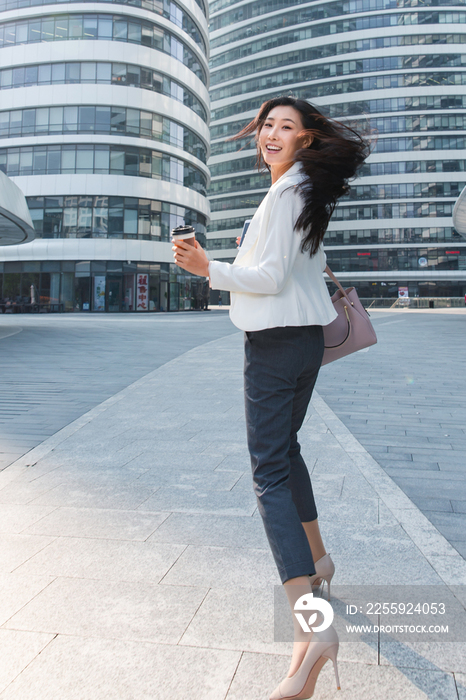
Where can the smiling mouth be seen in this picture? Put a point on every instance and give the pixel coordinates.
(272, 149)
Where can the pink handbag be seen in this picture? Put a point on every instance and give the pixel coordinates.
(352, 329)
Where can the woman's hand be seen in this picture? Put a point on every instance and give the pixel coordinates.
(191, 258)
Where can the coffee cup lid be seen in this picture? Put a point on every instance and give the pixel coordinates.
(182, 229)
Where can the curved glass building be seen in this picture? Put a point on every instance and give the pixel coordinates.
(104, 126)
(15, 221)
(400, 63)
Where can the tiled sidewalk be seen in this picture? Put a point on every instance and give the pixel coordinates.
(133, 563)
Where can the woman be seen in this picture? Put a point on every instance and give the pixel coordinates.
(280, 299)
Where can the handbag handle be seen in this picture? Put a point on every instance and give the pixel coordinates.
(334, 279)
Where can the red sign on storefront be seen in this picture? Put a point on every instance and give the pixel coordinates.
(143, 293)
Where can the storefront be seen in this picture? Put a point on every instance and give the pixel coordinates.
(99, 286)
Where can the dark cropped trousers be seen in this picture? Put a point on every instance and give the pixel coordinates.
(280, 370)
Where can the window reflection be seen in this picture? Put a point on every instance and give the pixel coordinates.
(90, 158)
(105, 27)
(109, 217)
(99, 286)
(114, 73)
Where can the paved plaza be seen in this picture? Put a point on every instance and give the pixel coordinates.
(133, 563)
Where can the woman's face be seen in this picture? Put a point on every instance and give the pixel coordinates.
(278, 138)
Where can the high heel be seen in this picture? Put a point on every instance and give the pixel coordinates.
(325, 568)
(300, 686)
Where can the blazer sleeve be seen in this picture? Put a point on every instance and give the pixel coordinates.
(281, 247)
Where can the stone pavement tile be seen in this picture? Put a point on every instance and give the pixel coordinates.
(222, 431)
(238, 462)
(330, 485)
(459, 506)
(202, 529)
(225, 567)
(451, 466)
(10, 457)
(18, 650)
(433, 504)
(243, 619)
(22, 492)
(460, 679)
(423, 533)
(445, 456)
(429, 475)
(357, 487)
(111, 609)
(238, 619)
(386, 516)
(16, 549)
(460, 547)
(124, 496)
(434, 656)
(380, 454)
(372, 555)
(451, 431)
(333, 464)
(91, 438)
(408, 443)
(172, 458)
(82, 476)
(227, 448)
(362, 431)
(393, 420)
(313, 423)
(257, 675)
(404, 466)
(425, 453)
(217, 480)
(244, 483)
(87, 458)
(197, 500)
(257, 672)
(451, 525)
(16, 591)
(93, 522)
(451, 568)
(16, 518)
(179, 448)
(72, 668)
(429, 488)
(358, 511)
(108, 560)
(309, 436)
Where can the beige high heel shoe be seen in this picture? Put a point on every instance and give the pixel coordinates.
(300, 686)
(325, 568)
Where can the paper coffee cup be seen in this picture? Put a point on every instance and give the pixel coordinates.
(184, 233)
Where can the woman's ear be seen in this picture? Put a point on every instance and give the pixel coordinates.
(307, 139)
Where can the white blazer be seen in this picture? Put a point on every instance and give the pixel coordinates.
(272, 282)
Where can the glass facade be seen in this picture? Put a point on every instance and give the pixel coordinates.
(103, 241)
(129, 218)
(87, 119)
(166, 8)
(90, 158)
(104, 28)
(397, 66)
(102, 73)
(100, 286)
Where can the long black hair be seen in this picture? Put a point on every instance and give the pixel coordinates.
(329, 162)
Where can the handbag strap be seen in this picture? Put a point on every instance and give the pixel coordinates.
(334, 279)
